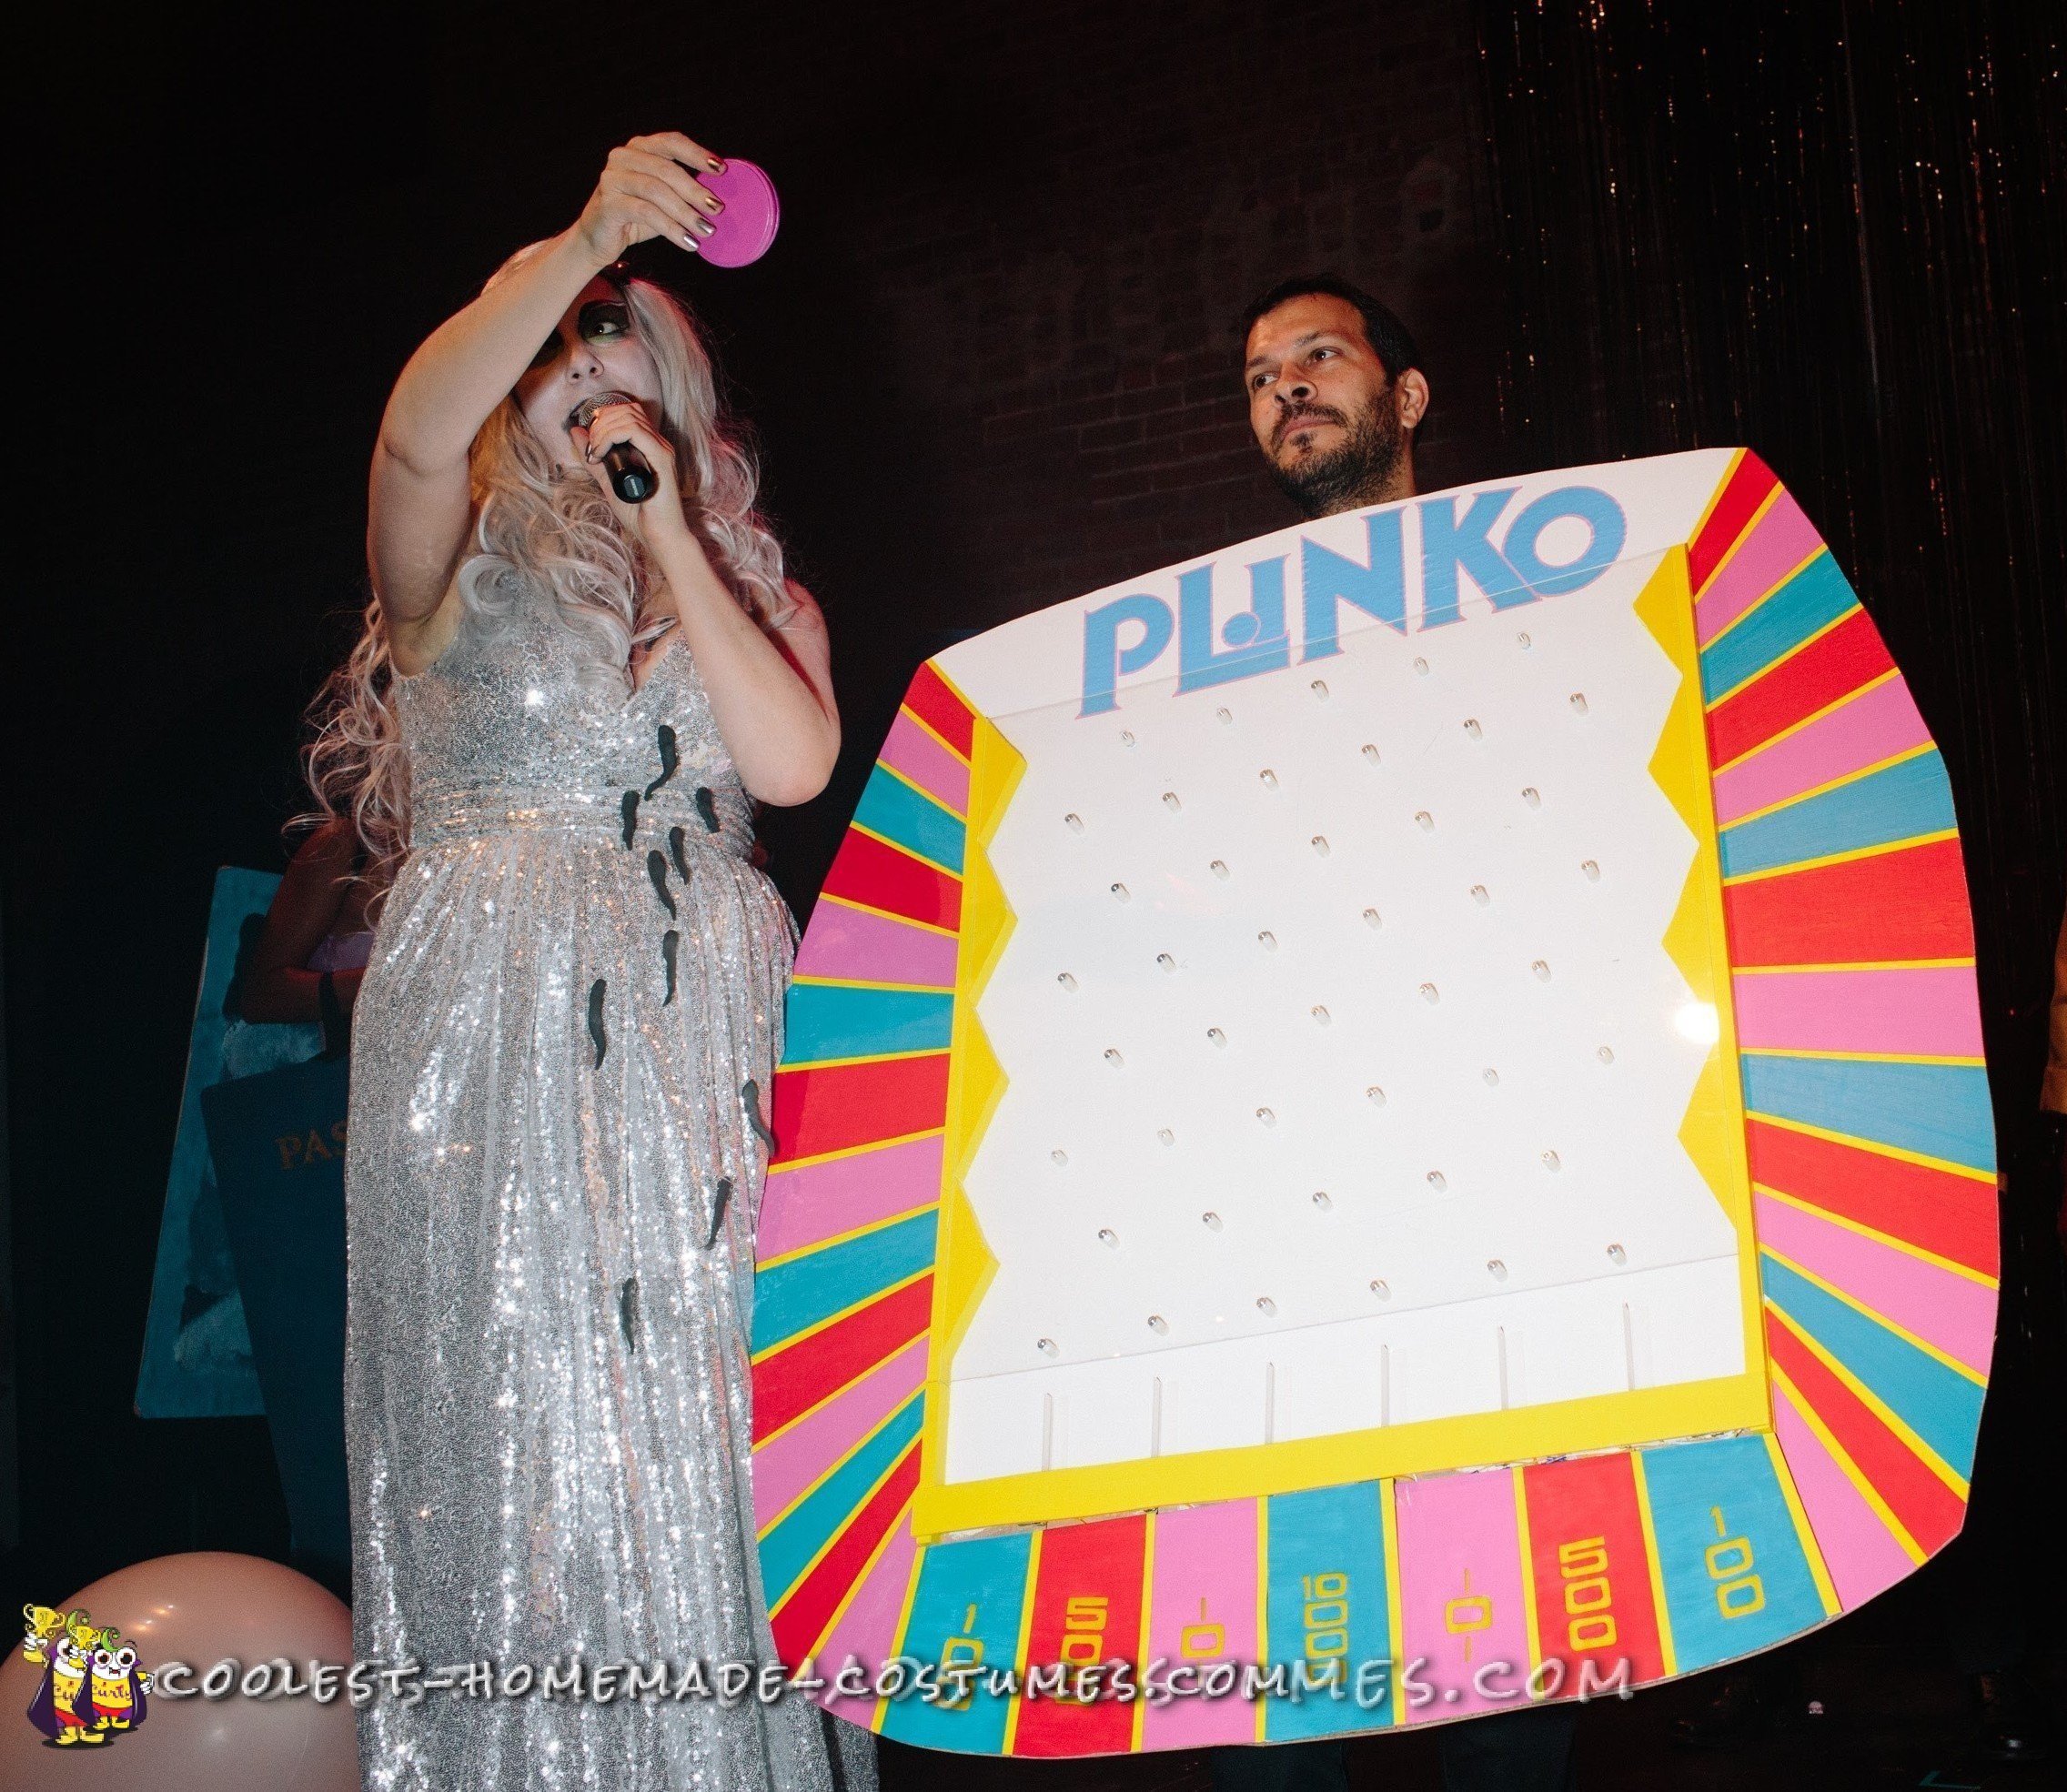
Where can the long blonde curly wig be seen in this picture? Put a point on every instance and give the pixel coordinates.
(537, 529)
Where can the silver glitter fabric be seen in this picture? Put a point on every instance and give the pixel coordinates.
(551, 1188)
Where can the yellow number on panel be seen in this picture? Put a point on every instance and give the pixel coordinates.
(1327, 1616)
(1084, 1630)
(1588, 1594)
(1738, 1592)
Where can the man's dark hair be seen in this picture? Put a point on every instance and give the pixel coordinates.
(1386, 335)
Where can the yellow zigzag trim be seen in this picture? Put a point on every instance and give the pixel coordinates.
(963, 1264)
(1712, 1131)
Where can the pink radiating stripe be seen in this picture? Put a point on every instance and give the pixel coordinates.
(1928, 1012)
(1783, 538)
(1942, 1309)
(869, 948)
(1859, 1550)
(1460, 1584)
(1874, 726)
(912, 751)
(808, 1201)
(867, 1628)
(1202, 1608)
(785, 1467)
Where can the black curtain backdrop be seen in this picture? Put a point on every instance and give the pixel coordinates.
(1834, 236)
(1835, 233)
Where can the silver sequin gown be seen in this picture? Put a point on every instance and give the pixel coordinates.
(551, 1188)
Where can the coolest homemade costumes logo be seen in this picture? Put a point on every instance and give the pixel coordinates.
(92, 1688)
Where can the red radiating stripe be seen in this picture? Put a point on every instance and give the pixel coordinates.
(1929, 1511)
(801, 1619)
(866, 869)
(1746, 491)
(796, 1378)
(1588, 1508)
(840, 1106)
(1831, 665)
(1953, 1216)
(1086, 1609)
(940, 710)
(1886, 907)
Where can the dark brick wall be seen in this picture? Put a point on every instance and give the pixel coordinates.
(1081, 198)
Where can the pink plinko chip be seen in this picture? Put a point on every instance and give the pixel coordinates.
(747, 225)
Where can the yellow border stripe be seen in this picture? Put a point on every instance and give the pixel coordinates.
(1866, 1490)
(1861, 1057)
(867, 1058)
(1709, 510)
(1809, 721)
(1759, 602)
(1263, 1598)
(910, 784)
(853, 1381)
(840, 1530)
(1878, 1408)
(808, 981)
(890, 914)
(911, 853)
(903, 1625)
(782, 1164)
(1977, 1378)
(1874, 1146)
(827, 1243)
(925, 726)
(1528, 1573)
(763, 1532)
(1855, 964)
(1021, 1647)
(1826, 1588)
(1845, 857)
(1667, 1651)
(1801, 1204)
(1824, 788)
(1801, 646)
(901, 1522)
(1395, 1602)
(882, 1294)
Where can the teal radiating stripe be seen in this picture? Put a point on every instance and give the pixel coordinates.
(791, 1296)
(891, 807)
(966, 1607)
(1735, 1577)
(1939, 1109)
(830, 1021)
(1815, 596)
(787, 1550)
(1896, 802)
(1942, 1407)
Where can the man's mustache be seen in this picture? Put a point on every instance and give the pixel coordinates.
(1291, 421)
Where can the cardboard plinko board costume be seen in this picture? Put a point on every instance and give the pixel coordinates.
(1410, 1093)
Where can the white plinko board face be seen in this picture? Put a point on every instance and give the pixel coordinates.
(1345, 1065)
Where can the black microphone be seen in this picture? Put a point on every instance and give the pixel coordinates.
(631, 478)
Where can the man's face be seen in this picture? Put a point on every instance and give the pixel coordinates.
(1324, 410)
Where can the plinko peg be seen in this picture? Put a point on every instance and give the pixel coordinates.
(1074, 822)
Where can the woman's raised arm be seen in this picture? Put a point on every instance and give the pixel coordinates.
(417, 498)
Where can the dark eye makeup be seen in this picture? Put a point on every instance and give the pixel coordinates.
(599, 320)
(603, 320)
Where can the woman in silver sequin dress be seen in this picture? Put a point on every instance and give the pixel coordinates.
(560, 1045)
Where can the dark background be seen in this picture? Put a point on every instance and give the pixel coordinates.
(991, 362)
